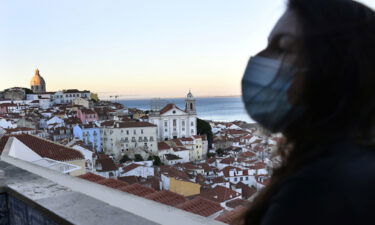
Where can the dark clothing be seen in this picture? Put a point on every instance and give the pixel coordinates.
(338, 188)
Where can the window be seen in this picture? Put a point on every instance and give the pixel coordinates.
(126, 139)
(165, 123)
(140, 139)
(183, 123)
(145, 139)
(174, 111)
(247, 178)
(166, 130)
(133, 139)
(134, 131)
(122, 131)
(141, 131)
(183, 129)
(151, 138)
(192, 123)
(174, 123)
(241, 178)
(192, 131)
(235, 179)
(127, 132)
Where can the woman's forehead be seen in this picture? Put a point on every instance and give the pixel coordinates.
(286, 25)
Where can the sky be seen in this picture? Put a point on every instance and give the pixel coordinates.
(134, 49)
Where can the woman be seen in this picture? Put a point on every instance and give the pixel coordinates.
(315, 83)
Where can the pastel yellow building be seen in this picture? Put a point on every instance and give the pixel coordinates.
(182, 187)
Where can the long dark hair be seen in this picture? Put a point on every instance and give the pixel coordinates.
(338, 89)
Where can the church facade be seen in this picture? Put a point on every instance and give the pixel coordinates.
(173, 122)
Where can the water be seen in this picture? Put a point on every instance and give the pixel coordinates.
(216, 108)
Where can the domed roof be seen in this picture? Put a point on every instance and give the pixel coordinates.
(37, 80)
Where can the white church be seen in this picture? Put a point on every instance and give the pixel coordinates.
(173, 122)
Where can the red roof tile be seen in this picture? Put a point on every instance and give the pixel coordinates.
(112, 183)
(201, 206)
(107, 163)
(232, 216)
(139, 190)
(135, 124)
(48, 149)
(167, 108)
(167, 197)
(237, 202)
(91, 177)
(219, 194)
(130, 167)
(163, 146)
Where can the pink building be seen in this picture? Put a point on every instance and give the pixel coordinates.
(7, 108)
(87, 115)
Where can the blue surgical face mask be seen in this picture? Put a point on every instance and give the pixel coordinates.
(265, 87)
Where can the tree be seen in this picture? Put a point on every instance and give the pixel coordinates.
(157, 161)
(209, 154)
(203, 127)
(94, 97)
(125, 158)
(219, 152)
(138, 158)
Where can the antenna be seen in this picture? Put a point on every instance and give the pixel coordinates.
(156, 104)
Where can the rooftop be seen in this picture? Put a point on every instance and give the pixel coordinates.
(56, 198)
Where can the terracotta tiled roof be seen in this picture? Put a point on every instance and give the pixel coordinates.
(167, 197)
(113, 183)
(247, 191)
(201, 206)
(231, 216)
(167, 108)
(237, 202)
(258, 165)
(229, 160)
(91, 177)
(173, 172)
(139, 190)
(87, 111)
(247, 154)
(130, 167)
(211, 160)
(219, 194)
(219, 180)
(163, 146)
(172, 157)
(107, 163)
(48, 149)
(135, 124)
(236, 170)
(129, 179)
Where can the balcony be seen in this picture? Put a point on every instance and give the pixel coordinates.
(31, 194)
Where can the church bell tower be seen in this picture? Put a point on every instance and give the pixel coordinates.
(190, 104)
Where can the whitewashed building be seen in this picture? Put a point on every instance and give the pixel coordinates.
(129, 138)
(173, 122)
(68, 96)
